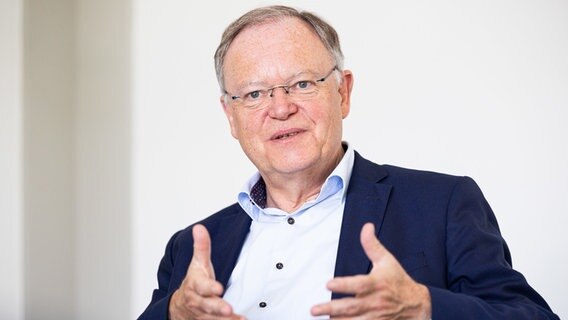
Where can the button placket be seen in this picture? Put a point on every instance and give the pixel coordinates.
(276, 276)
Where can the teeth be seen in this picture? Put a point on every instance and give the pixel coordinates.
(284, 136)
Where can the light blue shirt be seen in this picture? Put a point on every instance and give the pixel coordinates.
(288, 258)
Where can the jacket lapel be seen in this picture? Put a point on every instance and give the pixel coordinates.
(366, 202)
(231, 236)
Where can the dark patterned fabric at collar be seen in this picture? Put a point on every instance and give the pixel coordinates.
(253, 197)
(258, 193)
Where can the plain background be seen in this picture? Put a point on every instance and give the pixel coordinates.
(112, 136)
(470, 88)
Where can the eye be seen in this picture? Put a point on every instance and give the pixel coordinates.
(303, 85)
(253, 95)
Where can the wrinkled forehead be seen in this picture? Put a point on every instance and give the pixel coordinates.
(274, 51)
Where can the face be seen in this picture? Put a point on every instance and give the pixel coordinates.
(286, 136)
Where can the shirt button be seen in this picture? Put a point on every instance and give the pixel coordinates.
(262, 304)
(279, 265)
(291, 220)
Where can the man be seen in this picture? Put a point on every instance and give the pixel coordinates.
(303, 240)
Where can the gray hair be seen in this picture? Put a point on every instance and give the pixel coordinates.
(324, 31)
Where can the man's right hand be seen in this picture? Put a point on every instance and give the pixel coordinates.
(199, 296)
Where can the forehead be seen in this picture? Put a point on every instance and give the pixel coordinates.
(274, 51)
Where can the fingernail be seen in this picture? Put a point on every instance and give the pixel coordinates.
(226, 310)
(331, 284)
(315, 310)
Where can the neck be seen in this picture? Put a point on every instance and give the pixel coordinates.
(288, 192)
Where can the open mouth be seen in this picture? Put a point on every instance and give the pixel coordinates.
(286, 135)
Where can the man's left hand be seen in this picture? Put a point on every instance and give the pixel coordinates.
(387, 292)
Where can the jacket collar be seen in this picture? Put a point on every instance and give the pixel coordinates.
(366, 202)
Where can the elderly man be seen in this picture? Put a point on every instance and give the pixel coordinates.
(303, 240)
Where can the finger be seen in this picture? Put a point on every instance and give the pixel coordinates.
(358, 284)
(213, 305)
(206, 287)
(201, 245)
(339, 308)
(374, 250)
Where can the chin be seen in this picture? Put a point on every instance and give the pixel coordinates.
(292, 163)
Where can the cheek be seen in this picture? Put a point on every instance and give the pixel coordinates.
(329, 116)
(246, 128)
(333, 124)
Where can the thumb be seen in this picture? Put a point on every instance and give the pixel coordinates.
(201, 246)
(374, 250)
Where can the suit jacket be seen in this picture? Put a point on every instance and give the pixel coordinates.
(439, 227)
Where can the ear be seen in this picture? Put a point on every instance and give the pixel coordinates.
(345, 88)
(229, 112)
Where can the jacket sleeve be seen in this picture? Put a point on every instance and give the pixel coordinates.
(158, 307)
(481, 283)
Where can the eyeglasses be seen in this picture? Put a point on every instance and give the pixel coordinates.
(302, 88)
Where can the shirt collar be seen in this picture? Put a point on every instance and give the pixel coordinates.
(252, 197)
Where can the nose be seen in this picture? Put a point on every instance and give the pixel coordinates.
(283, 87)
(281, 106)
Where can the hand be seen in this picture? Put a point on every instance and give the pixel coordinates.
(387, 292)
(199, 296)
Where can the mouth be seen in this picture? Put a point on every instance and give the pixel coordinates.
(286, 134)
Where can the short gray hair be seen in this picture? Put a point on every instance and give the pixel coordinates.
(324, 31)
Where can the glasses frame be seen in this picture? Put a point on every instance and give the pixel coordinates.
(286, 87)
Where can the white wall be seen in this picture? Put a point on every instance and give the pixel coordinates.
(11, 239)
(47, 160)
(102, 148)
(469, 88)
(65, 159)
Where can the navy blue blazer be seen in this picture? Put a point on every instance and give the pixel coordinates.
(439, 227)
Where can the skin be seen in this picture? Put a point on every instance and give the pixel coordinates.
(294, 169)
(199, 296)
(387, 292)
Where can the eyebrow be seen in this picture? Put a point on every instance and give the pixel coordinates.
(265, 84)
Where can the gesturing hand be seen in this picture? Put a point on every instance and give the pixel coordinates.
(199, 296)
(387, 292)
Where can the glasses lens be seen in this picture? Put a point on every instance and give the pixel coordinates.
(299, 89)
